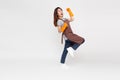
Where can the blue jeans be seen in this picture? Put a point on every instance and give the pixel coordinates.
(68, 43)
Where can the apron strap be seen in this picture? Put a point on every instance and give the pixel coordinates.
(62, 38)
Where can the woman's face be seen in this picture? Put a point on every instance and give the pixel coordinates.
(60, 13)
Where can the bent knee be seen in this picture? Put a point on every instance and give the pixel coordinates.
(83, 40)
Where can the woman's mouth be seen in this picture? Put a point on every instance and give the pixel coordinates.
(61, 14)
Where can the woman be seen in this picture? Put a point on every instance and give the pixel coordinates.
(72, 41)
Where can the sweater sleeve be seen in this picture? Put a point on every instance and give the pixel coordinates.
(60, 23)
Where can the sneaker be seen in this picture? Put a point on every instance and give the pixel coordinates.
(71, 51)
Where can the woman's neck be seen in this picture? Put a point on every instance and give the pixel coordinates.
(60, 17)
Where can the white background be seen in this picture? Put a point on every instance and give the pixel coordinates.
(30, 46)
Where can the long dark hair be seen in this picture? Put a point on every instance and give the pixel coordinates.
(56, 16)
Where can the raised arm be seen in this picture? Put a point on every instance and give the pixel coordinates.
(70, 14)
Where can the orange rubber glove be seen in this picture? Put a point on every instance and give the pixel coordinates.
(70, 12)
(64, 27)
